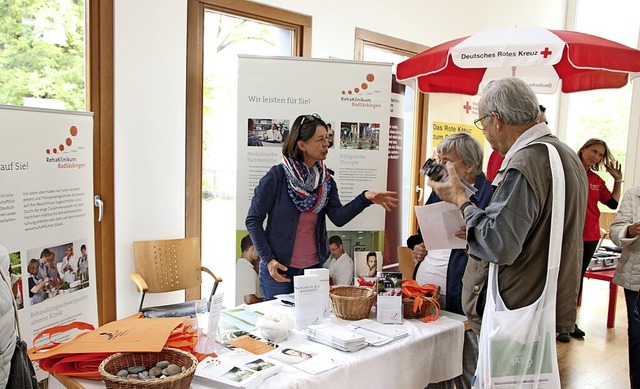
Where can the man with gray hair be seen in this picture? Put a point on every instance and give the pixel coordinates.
(514, 229)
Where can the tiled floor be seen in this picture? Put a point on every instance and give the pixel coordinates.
(601, 359)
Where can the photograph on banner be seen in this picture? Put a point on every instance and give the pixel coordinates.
(15, 271)
(246, 268)
(360, 136)
(268, 132)
(55, 270)
(367, 263)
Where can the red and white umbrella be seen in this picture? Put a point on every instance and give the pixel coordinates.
(539, 56)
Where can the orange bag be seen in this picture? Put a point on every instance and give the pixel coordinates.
(81, 356)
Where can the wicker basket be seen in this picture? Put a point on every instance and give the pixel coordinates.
(121, 361)
(428, 308)
(352, 302)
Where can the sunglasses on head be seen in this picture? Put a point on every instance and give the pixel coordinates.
(309, 118)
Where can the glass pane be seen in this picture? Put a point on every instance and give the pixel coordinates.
(604, 114)
(224, 38)
(42, 54)
(373, 53)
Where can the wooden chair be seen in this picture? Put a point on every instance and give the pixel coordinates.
(166, 266)
(406, 262)
(606, 218)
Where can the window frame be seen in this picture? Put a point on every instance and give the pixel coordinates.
(420, 134)
(299, 24)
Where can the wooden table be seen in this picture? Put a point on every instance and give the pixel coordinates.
(607, 275)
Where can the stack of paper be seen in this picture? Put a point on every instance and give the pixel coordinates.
(235, 369)
(392, 331)
(336, 336)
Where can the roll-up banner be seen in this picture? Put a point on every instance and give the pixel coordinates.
(352, 97)
(46, 216)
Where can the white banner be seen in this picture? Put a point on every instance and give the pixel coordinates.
(352, 97)
(46, 215)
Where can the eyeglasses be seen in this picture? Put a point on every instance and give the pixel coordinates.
(478, 122)
(445, 160)
(309, 118)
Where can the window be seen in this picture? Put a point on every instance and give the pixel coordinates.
(372, 46)
(220, 31)
(42, 54)
(604, 114)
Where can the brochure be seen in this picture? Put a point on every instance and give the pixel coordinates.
(236, 369)
(323, 274)
(249, 342)
(389, 302)
(308, 299)
(243, 318)
(307, 361)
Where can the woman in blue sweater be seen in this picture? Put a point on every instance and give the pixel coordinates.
(295, 196)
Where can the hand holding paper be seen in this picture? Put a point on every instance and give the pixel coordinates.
(440, 225)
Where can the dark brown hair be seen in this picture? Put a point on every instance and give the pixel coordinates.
(303, 128)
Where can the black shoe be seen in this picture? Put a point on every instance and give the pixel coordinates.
(563, 337)
(577, 333)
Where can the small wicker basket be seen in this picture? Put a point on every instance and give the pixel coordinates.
(352, 302)
(428, 307)
(121, 361)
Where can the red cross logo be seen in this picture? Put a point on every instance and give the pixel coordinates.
(546, 52)
(466, 107)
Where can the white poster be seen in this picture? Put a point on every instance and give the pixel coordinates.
(46, 215)
(352, 97)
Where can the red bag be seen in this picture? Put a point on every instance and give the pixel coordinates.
(81, 356)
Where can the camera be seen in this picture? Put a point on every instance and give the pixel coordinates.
(433, 170)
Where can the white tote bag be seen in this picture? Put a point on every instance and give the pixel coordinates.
(517, 347)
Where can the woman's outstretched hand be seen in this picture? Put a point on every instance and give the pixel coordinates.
(615, 169)
(387, 200)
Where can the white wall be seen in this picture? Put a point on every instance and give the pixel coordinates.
(150, 63)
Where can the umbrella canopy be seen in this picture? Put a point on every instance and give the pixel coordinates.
(539, 56)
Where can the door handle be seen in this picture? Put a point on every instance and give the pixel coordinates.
(98, 203)
(420, 191)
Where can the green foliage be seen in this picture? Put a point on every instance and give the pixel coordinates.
(42, 51)
(14, 258)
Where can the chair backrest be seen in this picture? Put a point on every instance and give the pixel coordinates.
(168, 265)
(606, 218)
(405, 262)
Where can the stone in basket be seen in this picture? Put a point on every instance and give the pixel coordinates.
(110, 367)
(352, 302)
(420, 301)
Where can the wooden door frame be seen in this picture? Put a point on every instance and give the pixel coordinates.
(101, 103)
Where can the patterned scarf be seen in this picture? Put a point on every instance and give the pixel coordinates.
(308, 188)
